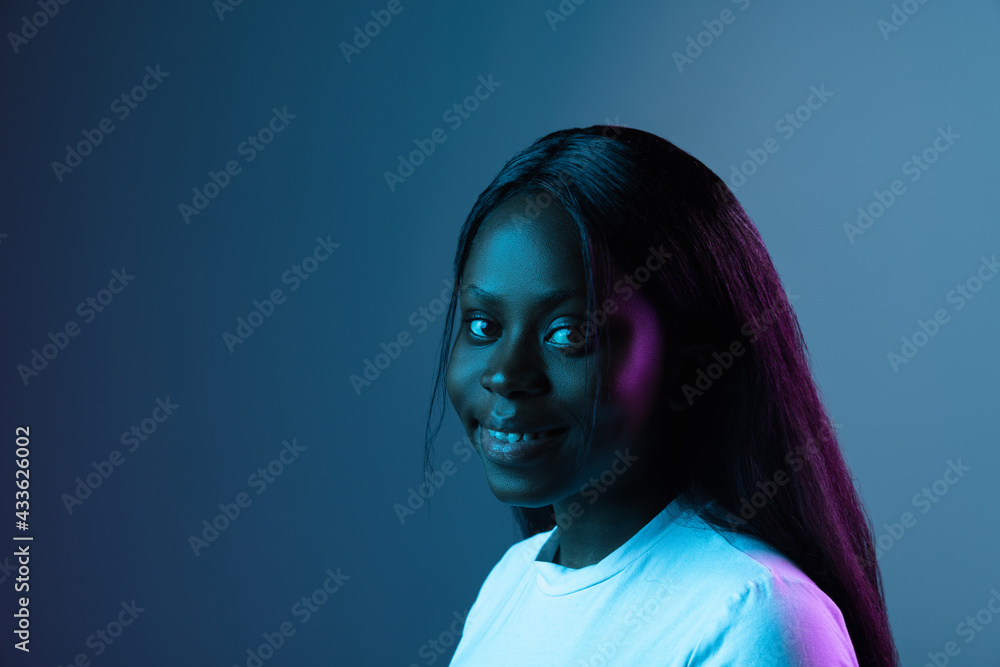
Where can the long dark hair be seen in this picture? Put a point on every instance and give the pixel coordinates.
(759, 453)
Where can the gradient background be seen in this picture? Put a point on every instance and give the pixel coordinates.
(323, 176)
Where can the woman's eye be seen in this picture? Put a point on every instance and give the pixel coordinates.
(480, 327)
(571, 338)
(575, 337)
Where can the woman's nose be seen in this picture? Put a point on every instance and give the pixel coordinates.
(515, 368)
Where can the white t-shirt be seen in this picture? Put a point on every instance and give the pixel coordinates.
(677, 593)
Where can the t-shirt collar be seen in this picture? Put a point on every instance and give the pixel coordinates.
(554, 579)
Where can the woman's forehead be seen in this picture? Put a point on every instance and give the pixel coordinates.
(545, 246)
(509, 236)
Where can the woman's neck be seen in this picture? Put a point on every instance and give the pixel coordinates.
(590, 532)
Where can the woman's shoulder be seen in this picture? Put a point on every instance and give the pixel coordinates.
(779, 613)
(692, 543)
(752, 595)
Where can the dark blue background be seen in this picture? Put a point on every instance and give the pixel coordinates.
(323, 176)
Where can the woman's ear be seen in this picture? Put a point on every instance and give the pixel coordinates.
(684, 382)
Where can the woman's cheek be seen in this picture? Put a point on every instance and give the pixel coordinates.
(452, 380)
(637, 367)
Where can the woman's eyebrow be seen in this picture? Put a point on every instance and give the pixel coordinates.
(548, 299)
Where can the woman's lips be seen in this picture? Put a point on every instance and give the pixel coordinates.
(504, 452)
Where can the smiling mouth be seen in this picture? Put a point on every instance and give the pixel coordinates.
(509, 448)
(523, 437)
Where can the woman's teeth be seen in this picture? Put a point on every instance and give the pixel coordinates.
(517, 437)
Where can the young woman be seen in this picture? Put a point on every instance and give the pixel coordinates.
(629, 370)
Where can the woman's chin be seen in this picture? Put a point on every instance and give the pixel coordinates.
(520, 494)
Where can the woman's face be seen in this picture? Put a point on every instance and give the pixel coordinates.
(520, 364)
